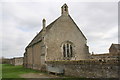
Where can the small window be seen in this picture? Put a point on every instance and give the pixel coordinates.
(65, 8)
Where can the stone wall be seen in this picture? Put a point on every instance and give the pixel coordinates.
(32, 57)
(89, 68)
(4, 61)
(63, 30)
(18, 61)
(12, 61)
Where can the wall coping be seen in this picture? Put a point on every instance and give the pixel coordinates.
(88, 61)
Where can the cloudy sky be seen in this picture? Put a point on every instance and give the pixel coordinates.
(21, 21)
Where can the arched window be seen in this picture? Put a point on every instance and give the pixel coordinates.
(67, 50)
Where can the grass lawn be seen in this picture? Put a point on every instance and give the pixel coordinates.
(0, 71)
(10, 71)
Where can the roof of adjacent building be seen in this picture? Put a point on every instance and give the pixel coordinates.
(17, 57)
(104, 54)
(117, 46)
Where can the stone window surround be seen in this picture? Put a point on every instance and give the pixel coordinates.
(67, 49)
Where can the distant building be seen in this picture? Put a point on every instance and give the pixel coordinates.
(0, 60)
(114, 49)
(4, 60)
(114, 53)
(11, 61)
(17, 61)
(100, 56)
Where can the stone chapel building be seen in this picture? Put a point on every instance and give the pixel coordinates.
(60, 40)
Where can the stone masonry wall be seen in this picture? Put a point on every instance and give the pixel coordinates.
(89, 68)
(18, 61)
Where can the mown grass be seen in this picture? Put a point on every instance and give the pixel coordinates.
(10, 71)
(0, 71)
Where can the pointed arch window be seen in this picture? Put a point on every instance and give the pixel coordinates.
(67, 50)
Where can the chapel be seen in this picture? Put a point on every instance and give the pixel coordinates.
(60, 40)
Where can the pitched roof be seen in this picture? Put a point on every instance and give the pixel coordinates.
(117, 46)
(38, 37)
(77, 27)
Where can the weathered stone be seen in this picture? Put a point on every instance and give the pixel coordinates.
(48, 43)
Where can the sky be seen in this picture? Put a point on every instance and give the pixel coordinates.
(21, 21)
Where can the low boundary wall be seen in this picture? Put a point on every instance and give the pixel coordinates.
(89, 68)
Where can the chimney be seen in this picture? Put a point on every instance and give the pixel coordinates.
(44, 23)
